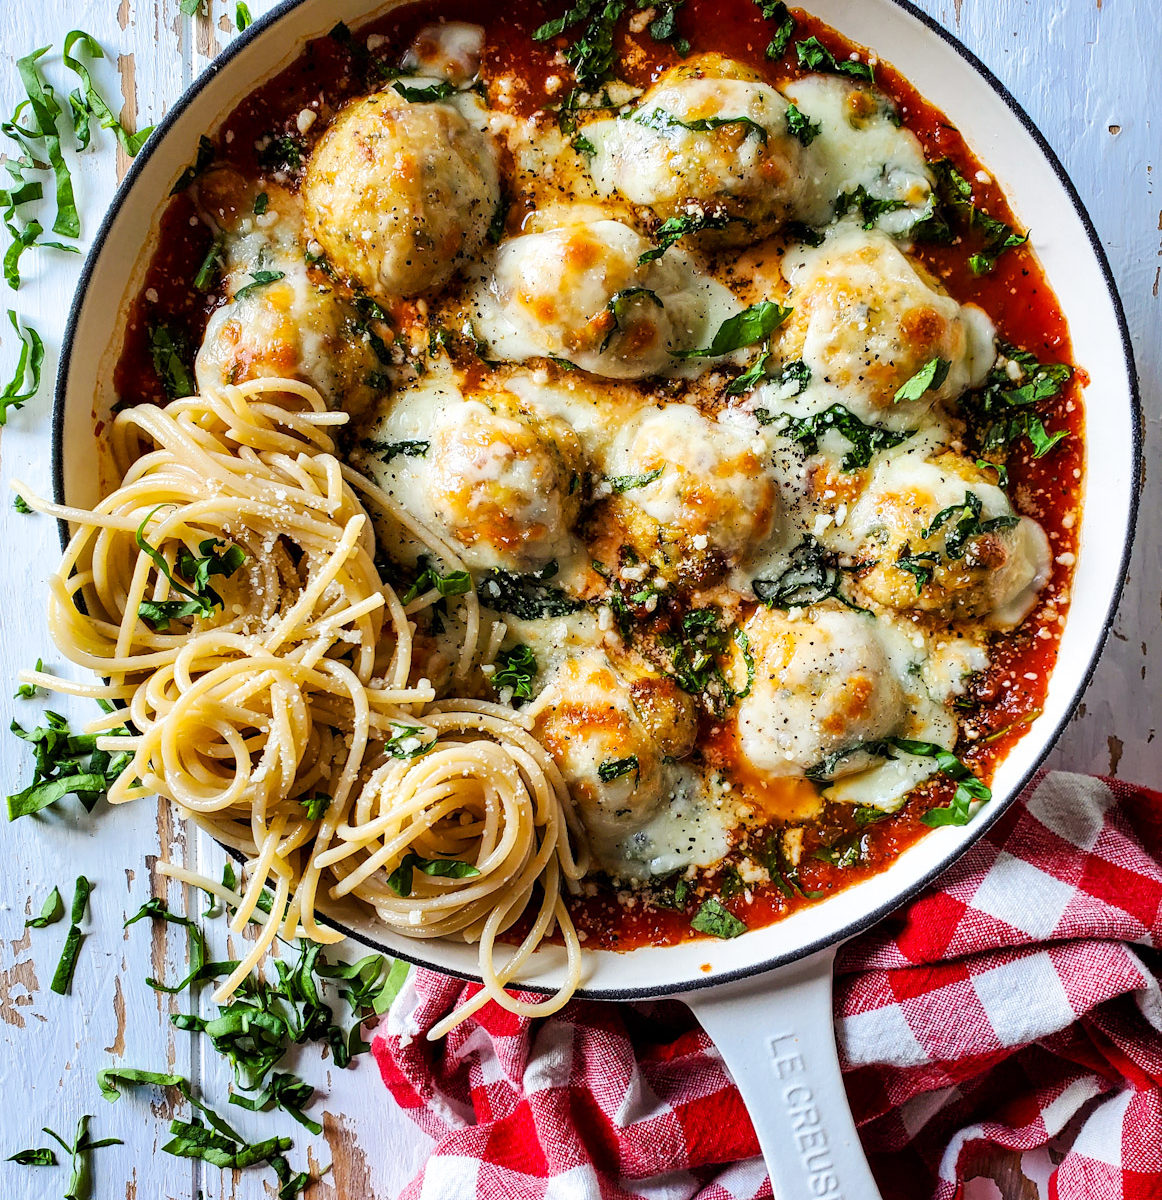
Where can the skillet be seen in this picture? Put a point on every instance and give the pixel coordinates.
(764, 997)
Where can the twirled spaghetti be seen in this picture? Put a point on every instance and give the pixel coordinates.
(276, 705)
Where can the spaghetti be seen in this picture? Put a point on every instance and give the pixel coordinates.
(227, 590)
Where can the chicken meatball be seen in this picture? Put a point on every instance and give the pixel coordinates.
(684, 478)
(504, 485)
(708, 137)
(400, 194)
(866, 320)
(579, 292)
(943, 540)
(295, 325)
(821, 686)
(611, 743)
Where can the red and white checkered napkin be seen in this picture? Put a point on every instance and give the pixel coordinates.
(1016, 1006)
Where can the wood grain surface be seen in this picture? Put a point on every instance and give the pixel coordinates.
(1086, 72)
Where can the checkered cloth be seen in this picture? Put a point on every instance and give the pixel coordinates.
(1015, 1008)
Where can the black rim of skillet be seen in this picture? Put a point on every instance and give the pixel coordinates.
(983, 820)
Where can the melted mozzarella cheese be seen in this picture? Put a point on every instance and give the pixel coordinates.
(292, 327)
(703, 481)
(706, 137)
(450, 50)
(401, 194)
(997, 573)
(825, 683)
(866, 320)
(614, 744)
(860, 144)
(579, 292)
(499, 483)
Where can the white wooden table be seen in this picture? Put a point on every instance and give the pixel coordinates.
(1086, 72)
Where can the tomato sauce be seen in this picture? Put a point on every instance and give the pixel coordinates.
(1001, 701)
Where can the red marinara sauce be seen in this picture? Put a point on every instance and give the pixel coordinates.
(1003, 699)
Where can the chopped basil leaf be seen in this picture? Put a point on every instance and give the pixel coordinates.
(847, 852)
(714, 919)
(751, 377)
(953, 202)
(664, 26)
(288, 1092)
(407, 741)
(316, 806)
(615, 768)
(455, 583)
(45, 111)
(921, 565)
(211, 265)
(810, 577)
(286, 154)
(386, 451)
(1043, 442)
(801, 127)
(400, 880)
(998, 237)
(672, 229)
(929, 378)
(201, 598)
(51, 912)
(78, 1152)
(425, 95)
(259, 279)
(88, 102)
(799, 231)
(23, 240)
(815, 56)
(776, 10)
(81, 893)
(26, 691)
(869, 207)
(866, 440)
(496, 226)
(15, 394)
(242, 18)
(969, 789)
(20, 504)
(62, 978)
(591, 55)
(784, 875)
(65, 764)
(660, 120)
(968, 525)
(516, 668)
(693, 648)
(196, 941)
(628, 483)
(1003, 409)
(744, 329)
(583, 145)
(375, 981)
(172, 360)
(529, 597)
(1002, 471)
(41, 1157)
(618, 310)
(261, 202)
(203, 158)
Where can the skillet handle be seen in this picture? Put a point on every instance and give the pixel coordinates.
(776, 1035)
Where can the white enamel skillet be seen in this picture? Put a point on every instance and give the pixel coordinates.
(765, 997)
